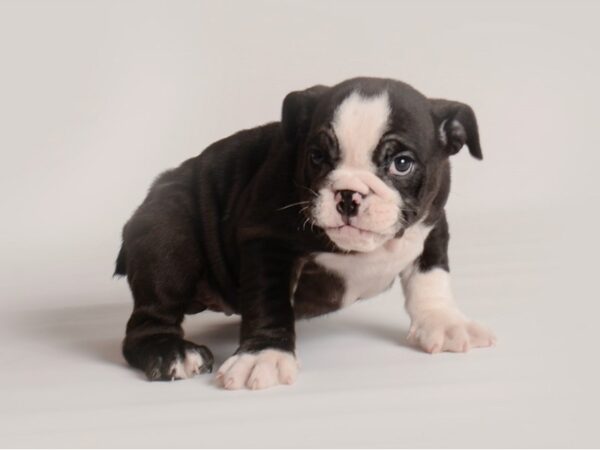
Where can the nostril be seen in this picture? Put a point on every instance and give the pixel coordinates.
(352, 209)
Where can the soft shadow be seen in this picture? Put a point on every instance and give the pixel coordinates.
(322, 328)
(217, 331)
(96, 331)
(385, 332)
(92, 330)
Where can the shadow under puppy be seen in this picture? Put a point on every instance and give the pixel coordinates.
(299, 218)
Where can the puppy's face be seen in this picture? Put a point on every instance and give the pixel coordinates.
(370, 154)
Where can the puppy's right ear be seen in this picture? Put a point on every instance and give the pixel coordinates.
(457, 126)
(297, 111)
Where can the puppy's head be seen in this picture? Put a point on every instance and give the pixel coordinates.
(371, 156)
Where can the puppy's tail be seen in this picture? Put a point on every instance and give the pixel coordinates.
(120, 265)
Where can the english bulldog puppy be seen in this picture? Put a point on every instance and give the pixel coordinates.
(296, 219)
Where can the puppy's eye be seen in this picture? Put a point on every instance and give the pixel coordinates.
(316, 156)
(402, 165)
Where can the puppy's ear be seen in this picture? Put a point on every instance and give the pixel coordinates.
(456, 126)
(297, 111)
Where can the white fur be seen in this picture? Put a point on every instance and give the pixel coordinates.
(190, 366)
(367, 274)
(260, 370)
(442, 132)
(359, 122)
(436, 322)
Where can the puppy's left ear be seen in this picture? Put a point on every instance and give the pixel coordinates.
(297, 111)
(456, 126)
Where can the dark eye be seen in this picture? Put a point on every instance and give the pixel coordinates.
(402, 165)
(317, 156)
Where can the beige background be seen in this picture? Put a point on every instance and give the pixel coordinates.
(97, 98)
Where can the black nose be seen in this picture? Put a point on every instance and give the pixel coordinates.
(347, 206)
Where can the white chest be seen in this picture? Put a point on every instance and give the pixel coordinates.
(368, 274)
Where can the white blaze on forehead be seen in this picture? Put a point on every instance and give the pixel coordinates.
(358, 123)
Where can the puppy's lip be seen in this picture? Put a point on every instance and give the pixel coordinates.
(351, 228)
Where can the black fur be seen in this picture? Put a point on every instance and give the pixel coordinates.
(225, 230)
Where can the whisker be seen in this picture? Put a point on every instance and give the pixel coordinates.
(293, 204)
(303, 211)
(308, 189)
(304, 224)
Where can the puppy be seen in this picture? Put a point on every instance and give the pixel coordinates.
(297, 219)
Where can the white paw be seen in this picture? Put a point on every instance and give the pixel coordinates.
(260, 370)
(192, 364)
(447, 330)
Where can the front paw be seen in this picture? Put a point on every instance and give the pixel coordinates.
(168, 357)
(259, 370)
(448, 331)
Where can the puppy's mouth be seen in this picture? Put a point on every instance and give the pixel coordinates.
(352, 238)
(351, 230)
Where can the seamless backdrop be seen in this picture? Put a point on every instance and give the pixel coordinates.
(98, 97)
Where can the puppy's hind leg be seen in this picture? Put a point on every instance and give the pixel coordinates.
(163, 265)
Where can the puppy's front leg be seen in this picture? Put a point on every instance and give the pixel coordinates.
(265, 356)
(437, 324)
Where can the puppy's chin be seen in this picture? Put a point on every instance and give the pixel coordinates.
(349, 238)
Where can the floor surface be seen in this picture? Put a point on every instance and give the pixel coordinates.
(65, 383)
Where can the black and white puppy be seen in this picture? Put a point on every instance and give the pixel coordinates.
(296, 219)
